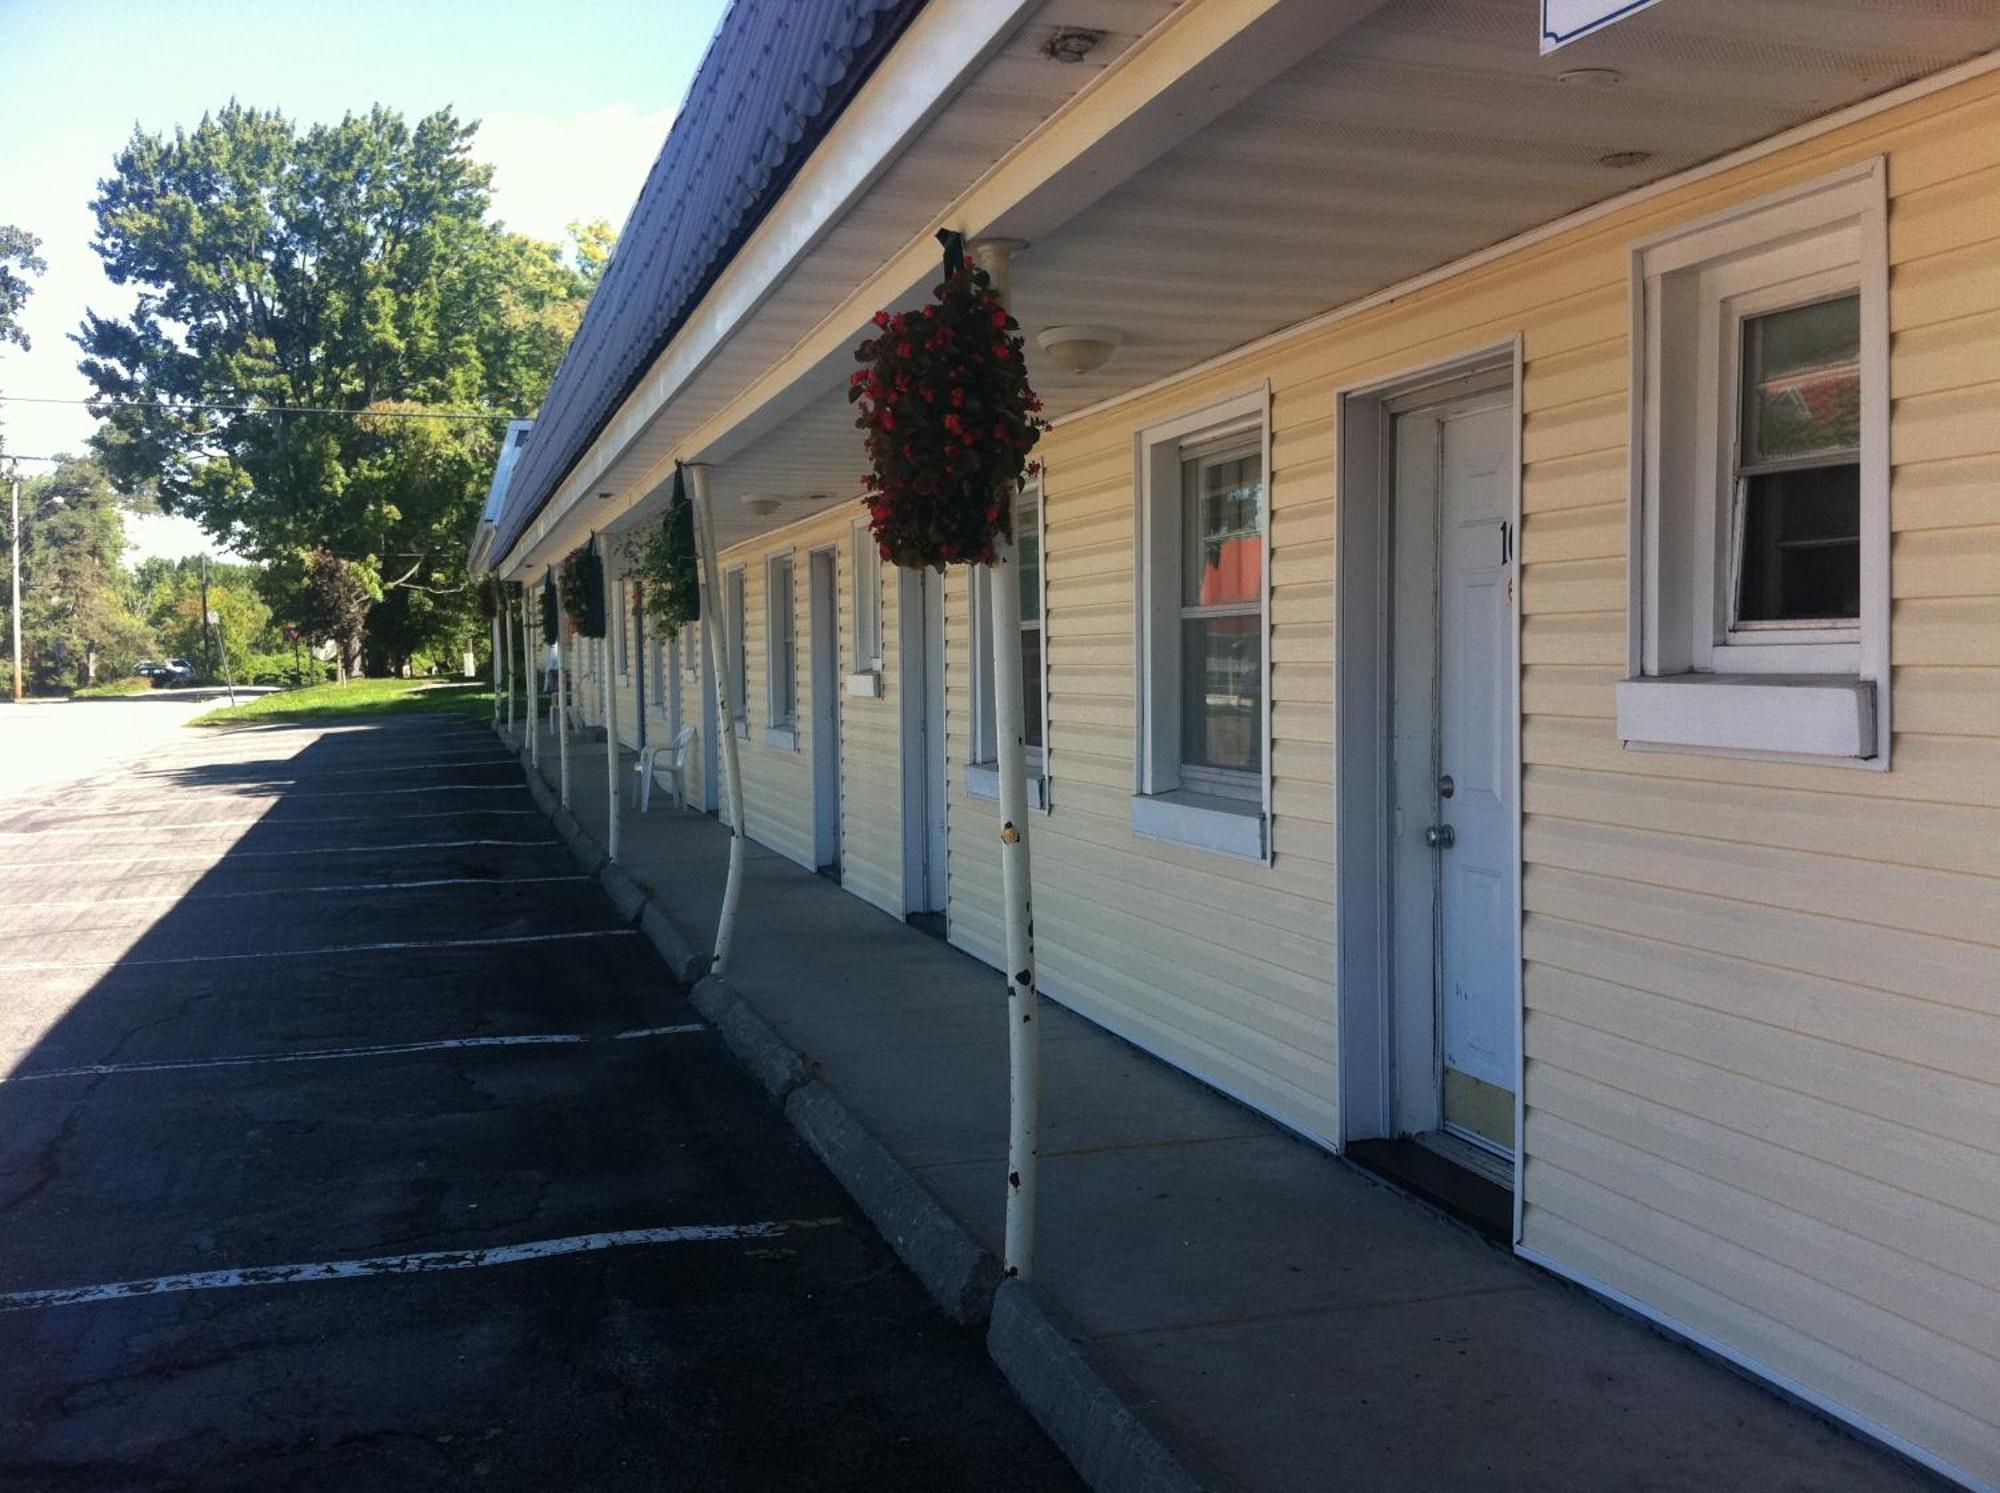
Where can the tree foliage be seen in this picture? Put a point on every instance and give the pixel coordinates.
(350, 267)
(169, 598)
(79, 623)
(334, 603)
(18, 259)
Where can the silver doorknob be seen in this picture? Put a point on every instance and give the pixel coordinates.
(1440, 837)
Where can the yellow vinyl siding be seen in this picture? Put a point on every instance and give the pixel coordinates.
(1763, 999)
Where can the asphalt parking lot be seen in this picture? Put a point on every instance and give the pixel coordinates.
(347, 1140)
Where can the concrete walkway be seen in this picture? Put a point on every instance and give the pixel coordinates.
(1216, 1303)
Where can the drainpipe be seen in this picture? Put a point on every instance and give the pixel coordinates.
(562, 694)
(716, 632)
(610, 708)
(534, 703)
(507, 631)
(1024, 1061)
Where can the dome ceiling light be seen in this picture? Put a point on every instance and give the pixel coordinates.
(1079, 349)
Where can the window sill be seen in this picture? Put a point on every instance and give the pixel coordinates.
(785, 738)
(1824, 715)
(867, 684)
(982, 780)
(1225, 825)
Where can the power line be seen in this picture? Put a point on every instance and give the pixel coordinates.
(260, 409)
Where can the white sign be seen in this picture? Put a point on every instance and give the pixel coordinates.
(213, 618)
(1563, 21)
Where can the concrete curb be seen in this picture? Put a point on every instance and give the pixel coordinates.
(626, 894)
(673, 945)
(779, 1066)
(1107, 1444)
(960, 1276)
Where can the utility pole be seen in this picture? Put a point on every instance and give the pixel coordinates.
(14, 549)
(207, 622)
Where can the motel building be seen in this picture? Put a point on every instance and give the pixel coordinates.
(1510, 603)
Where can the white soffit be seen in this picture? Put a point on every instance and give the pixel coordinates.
(1424, 133)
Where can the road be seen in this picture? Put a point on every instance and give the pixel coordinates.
(348, 1141)
(48, 741)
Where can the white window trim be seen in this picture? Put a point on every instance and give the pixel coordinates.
(982, 773)
(1825, 703)
(781, 729)
(735, 600)
(1166, 805)
(866, 582)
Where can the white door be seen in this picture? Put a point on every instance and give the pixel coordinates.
(1455, 785)
(825, 643)
(921, 657)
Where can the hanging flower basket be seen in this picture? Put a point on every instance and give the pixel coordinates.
(583, 591)
(488, 597)
(950, 422)
(664, 559)
(551, 624)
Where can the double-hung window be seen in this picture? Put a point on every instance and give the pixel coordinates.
(739, 674)
(1204, 625)
(1760, 612)
(981, 773)
(781, 680)
(866, 602)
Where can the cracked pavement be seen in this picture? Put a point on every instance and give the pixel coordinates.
(809, 1359)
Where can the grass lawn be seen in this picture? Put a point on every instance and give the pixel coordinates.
(357, 700)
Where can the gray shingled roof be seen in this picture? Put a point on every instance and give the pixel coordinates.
(777, 75)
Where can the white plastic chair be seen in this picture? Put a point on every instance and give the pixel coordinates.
(669, 758)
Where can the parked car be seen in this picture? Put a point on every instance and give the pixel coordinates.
(154, 670)
(179, 671)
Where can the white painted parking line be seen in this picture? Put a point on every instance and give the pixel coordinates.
(142, 826)
(329, 1054)
(412, 946)
(287, 793)
(218, 857)
(413, 1264)
(332, 888)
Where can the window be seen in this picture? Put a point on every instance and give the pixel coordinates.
(1760, 522)
(867, 604)
(981, 777)
(1204, 618)
(739, 677)
(781, 681)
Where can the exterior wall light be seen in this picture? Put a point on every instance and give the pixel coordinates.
(761, 506)
(1079, 349)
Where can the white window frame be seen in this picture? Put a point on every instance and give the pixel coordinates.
(735, 586)
(1227, 813)
(1816, 694)
(781, 652)
(982, 771)
(866, 583)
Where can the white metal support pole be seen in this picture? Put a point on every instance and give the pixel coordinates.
(1024, 1060)
(496, 666)
(507, 631)
(528, 656)
(610, 710)
(562, 701)
(716, 631)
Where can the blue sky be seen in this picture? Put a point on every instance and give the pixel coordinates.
(575, 100)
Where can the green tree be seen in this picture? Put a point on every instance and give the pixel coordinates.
(18, 259)
(79, 624)
(169, 598)
(350, 267)
(335, 602)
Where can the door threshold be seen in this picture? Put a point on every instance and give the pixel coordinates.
(1447, 1182)
(931, 923)
(1459, 1150)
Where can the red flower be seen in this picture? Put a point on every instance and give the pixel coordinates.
(881, 318)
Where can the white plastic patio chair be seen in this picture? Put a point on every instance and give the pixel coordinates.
(668, 758)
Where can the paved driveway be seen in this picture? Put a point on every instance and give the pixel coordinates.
(347, 1140)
